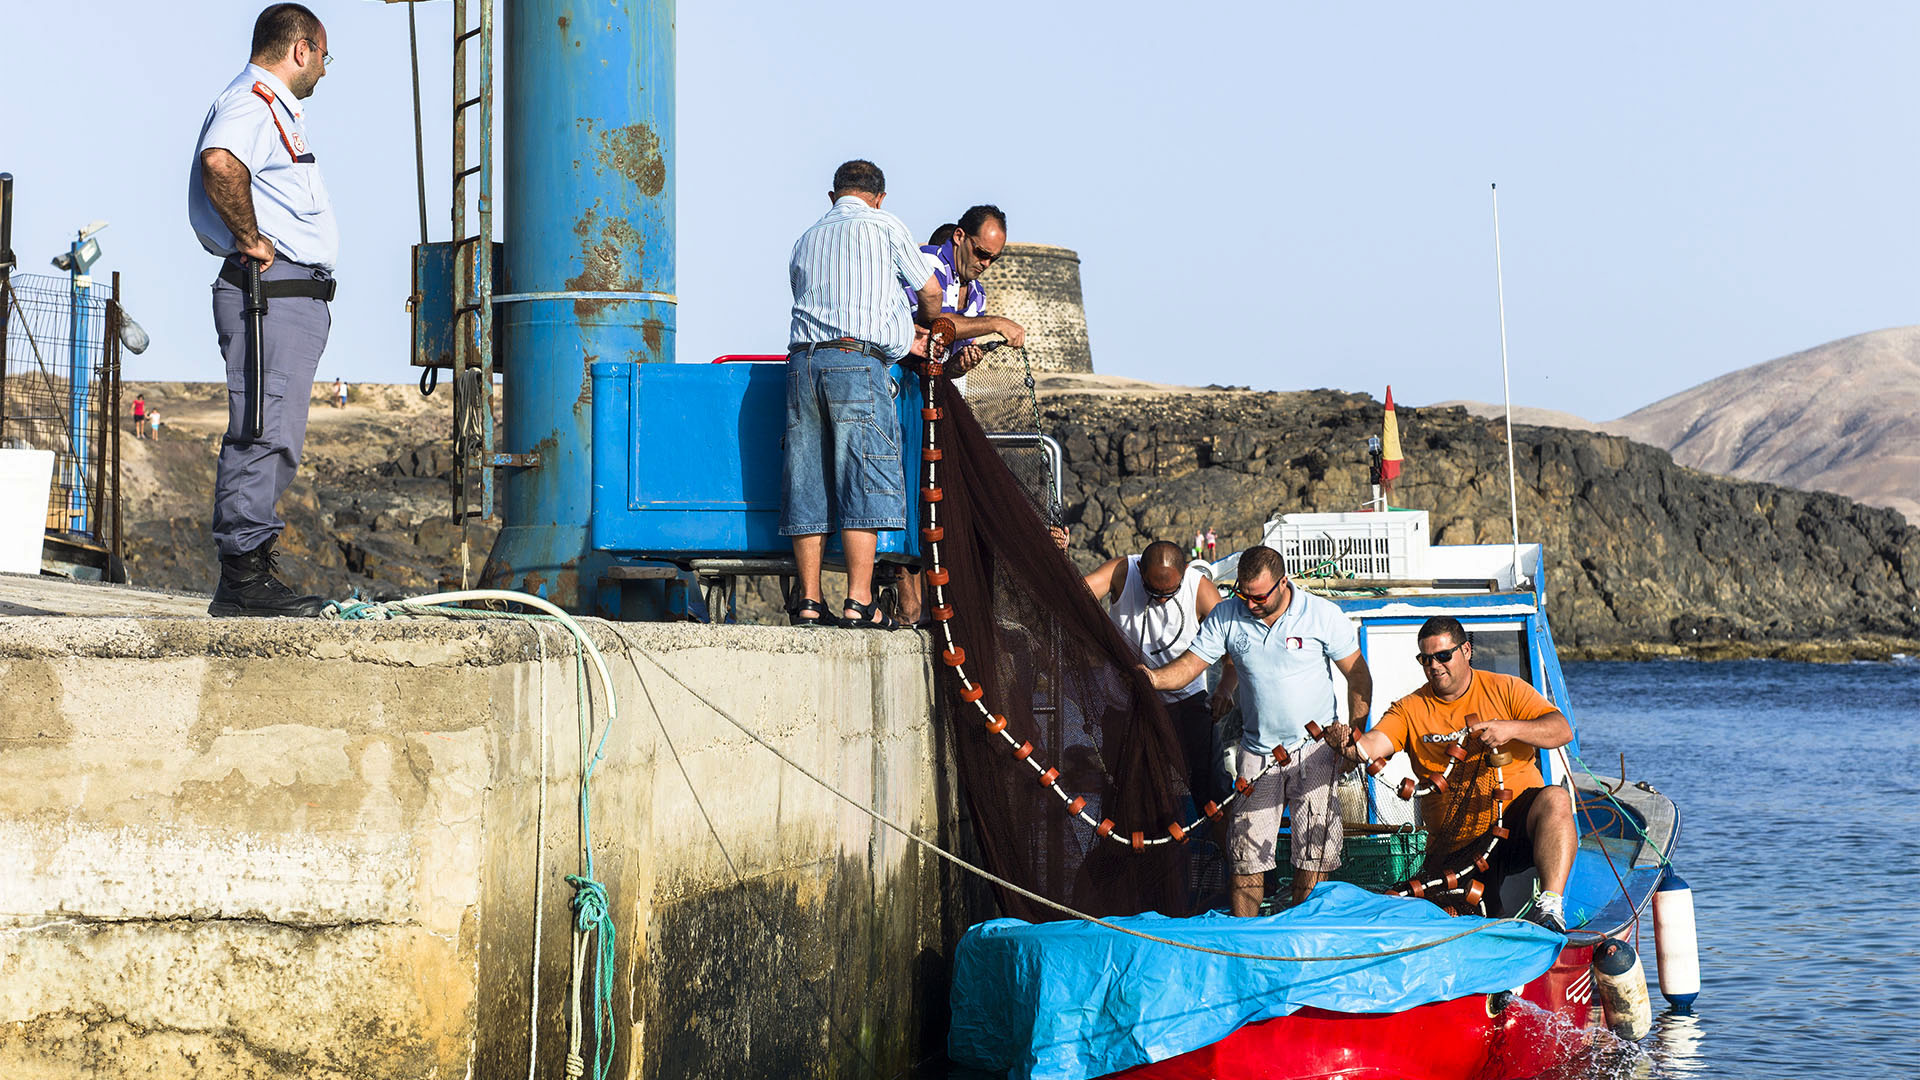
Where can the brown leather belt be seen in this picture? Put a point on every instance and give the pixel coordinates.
(847, 344)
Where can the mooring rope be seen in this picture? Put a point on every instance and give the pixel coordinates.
(592, 921)
(990, 876)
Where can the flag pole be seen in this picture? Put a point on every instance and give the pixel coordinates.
(1506, 386)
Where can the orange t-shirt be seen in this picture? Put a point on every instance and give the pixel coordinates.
(1491, 696)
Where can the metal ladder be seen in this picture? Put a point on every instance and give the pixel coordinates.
(473, 436)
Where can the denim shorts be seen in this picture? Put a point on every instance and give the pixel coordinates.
(842, 447)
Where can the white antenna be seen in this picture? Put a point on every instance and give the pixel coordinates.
(1506, 388)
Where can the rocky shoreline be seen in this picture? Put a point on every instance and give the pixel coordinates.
(1646, 559)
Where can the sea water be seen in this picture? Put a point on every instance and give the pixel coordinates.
(1799, 794)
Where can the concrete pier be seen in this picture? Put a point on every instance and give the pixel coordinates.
(278, 848)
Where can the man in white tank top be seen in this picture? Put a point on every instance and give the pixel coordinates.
(1157, 600)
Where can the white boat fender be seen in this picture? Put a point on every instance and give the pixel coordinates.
(1621, 985)
(1676, 946)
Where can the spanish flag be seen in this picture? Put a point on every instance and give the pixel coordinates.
(1389, 446)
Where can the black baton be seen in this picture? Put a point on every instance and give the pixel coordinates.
(256, 310)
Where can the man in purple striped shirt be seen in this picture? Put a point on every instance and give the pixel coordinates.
(958, 255)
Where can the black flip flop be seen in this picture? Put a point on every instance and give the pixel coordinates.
(819, 610)
(866, 620)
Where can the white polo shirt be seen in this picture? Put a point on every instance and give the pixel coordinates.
(1286, 670)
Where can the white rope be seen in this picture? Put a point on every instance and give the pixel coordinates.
(982, 872)
(1506, 388)
(539, 860)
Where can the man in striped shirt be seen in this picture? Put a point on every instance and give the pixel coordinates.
(851, 321)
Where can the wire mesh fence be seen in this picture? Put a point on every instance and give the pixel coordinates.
(59, 391)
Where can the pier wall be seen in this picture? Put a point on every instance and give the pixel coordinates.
(240, 848)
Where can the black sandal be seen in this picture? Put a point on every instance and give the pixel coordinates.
(866, 621)
(819, 610)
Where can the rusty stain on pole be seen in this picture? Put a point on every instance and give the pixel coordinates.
(589, 98)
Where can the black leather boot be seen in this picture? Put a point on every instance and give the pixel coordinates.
(248, 587)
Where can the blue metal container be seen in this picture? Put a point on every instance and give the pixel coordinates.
(589, 252)
(687, 461)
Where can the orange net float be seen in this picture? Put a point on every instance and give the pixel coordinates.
(943, 612)
(1139, 841)
(1281, 757)
(1079, 803)
(1480, 865)
(933, 453)
(939, 577)
(1503, 796)
(1025, 752)
(1314, 730)
(1475, 891)
(1417, 887)
(1179, 834)
(945, 329)
(1457, 752)
(1497, 832)
(1376, 766)
(1212, 810)
(1439, 782)
(935, 368)
(973, 693)
(1104, 829)
(932, 494)
(1406, 788)
(954, 657)
(1451, 881)
(933, 535)
(1240, 785)
(1047, 778)
(932, 412)
(996, 725)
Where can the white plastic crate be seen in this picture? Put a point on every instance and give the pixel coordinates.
(1383, 545)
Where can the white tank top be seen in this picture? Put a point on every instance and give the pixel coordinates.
(1163, 631)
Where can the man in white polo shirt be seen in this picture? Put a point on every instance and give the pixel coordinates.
(1286, 644)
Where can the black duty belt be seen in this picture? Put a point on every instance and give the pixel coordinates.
(846, 343)
(319, 288)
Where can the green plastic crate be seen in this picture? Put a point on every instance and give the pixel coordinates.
(1372, 857)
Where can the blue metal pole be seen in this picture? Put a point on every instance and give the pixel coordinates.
(589, 260)
(77, 387)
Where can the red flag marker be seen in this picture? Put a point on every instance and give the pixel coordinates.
(1389, 446)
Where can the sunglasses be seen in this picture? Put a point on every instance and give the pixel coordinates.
(1438, 656)
(1259, 598)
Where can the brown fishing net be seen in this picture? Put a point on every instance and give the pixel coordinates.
(1067, 682)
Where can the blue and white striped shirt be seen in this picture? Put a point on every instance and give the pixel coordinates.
(847, 271)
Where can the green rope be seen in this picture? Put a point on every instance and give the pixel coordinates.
(589, 903)
(590, 916)
(1625, 814)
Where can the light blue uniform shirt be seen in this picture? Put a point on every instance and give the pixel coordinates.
(290, 202)
(1286, 670)
(847, 272)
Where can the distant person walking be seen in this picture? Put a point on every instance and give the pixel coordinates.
(339, 394)
(1199, 544)
(139, 416)
(255, 198)
(1211, 541)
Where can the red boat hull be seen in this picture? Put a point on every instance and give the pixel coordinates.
(1445, 1040)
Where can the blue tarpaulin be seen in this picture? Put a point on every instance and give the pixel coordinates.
(1069, 1000)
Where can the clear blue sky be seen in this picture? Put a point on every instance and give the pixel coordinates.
(1284, 196)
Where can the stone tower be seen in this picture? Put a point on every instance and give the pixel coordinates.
(1038, 286)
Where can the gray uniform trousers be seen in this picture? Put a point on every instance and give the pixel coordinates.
(252, 474)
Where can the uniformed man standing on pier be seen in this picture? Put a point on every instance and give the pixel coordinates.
(255, 197)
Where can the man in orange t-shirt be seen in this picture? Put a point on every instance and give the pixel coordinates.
(1496, 710)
